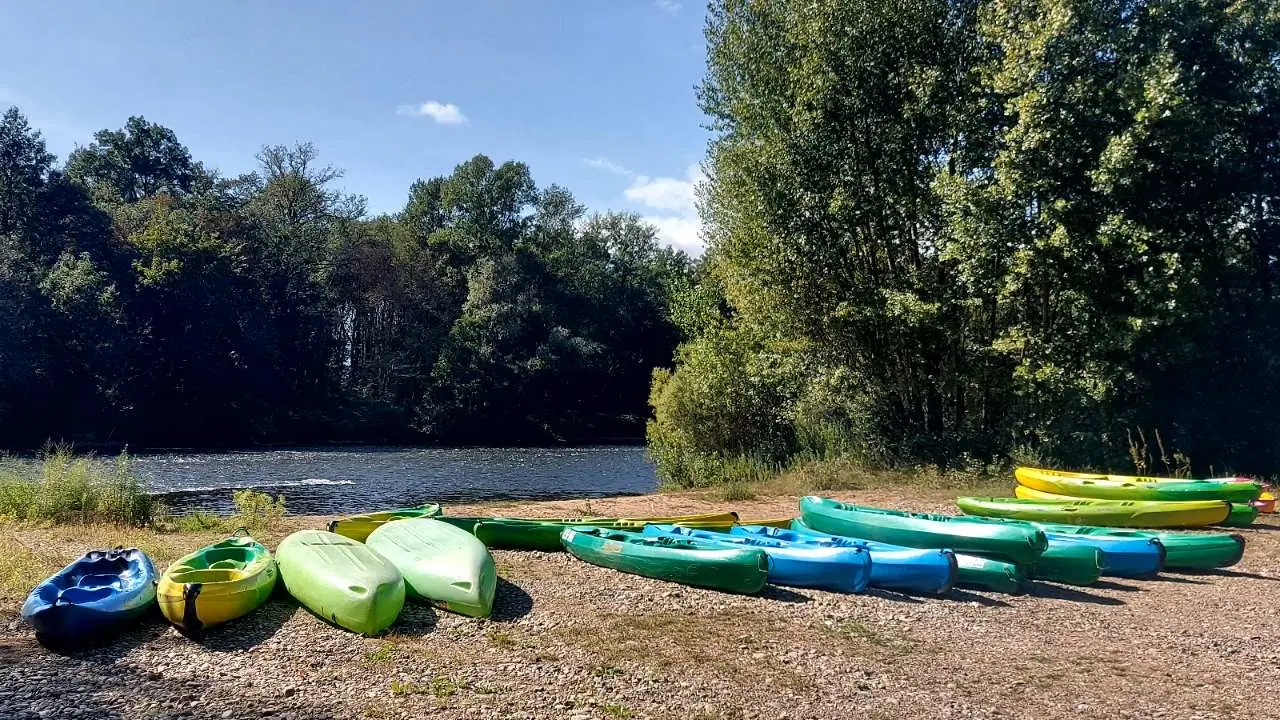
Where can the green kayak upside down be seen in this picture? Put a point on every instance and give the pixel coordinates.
(739, 570)
(1183, 551)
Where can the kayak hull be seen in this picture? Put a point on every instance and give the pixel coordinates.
(1105, 513)
(1183, 551)
(1106, 489)
(216, 583)
(983, 573)
(1121, 557)
(839, 569)
(95, 595)
(441, 564)
(358, 527)
(737, 570)
(341, 580)
(1014, 543)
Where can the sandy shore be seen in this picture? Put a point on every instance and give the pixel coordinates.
(576, 642)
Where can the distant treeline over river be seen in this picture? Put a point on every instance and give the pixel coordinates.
(324, 481)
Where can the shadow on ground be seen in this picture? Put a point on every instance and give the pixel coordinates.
(510, 602)
(966, 596)
(781, 594)
(1062, 592)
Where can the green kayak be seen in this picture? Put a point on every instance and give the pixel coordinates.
(1069, 564)
(739, 570)
(980, 573)
(1186, 551)
(1241, 515)
(341, 580)
(1108, 513)
(358, 527)
(1104, 489)
(441, 564)
(1006, 541)
(500, 533)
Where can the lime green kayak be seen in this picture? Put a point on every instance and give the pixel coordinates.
(341, 580)
(216, 583)
(358, 527)
(1007, 541)
(441, 564)
(981, 573)
(544, 534)
(1108, 513)
(1104, 489)
(738, 570)
(1185, 551)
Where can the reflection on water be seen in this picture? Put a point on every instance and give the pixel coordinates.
(357, 479)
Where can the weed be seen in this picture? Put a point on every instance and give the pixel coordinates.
(381, 655)
(606, 671)
(257, 511)
(615, 710)
(499, 638)
(400, 689)
(737, 492)
(443, 687)
(62, 487)
(856, 630)
(198, 521)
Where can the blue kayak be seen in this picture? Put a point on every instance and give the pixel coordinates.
(1121, 557)
(892, 567)
(842, 569)
(93, 595)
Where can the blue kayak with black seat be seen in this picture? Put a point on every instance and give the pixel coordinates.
(96, 594)
(842, 569)
(892, 567)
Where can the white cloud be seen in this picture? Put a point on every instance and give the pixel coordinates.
(607, 164)
(678, 223)
(671, 7)
(442, 113)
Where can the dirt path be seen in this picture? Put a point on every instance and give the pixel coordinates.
(576, 642)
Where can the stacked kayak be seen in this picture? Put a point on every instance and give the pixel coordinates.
(93, 596)
(216, 583)
(358, 527)
(892, 567)
(1078, 486)
(1238, 514)
(341, 580)
(1110, 513)
(732, 569)
(544, 534)
(842, 569)
(441, 564)
(1183, 551)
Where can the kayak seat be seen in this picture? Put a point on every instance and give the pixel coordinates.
(84, 596)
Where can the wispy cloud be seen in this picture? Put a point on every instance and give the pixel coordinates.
(609, 165)
(671, 7)
(442, 113)
(676, 199)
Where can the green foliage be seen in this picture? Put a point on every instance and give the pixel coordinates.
(257, 511)
(62, 487)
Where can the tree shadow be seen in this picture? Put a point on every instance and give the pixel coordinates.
(782, 594)
(417, 618)
(1043, 589)
(510, 602)
(1113, 585)
(966, 596)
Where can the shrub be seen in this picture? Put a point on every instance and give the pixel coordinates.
(257, 511)
(62, 487)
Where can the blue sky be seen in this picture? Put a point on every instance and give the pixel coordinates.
(596, 95)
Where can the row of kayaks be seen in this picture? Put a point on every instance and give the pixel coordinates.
(1126, 501)
(358, 574)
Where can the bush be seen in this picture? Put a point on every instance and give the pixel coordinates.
(257, 511)
(64, 488)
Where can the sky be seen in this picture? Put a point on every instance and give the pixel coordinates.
(594, 95)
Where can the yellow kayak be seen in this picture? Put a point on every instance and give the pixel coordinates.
(784, 523)
(1052, 481)
(216, 583)
(358, 527)
(1156, 514)
(1066, 474)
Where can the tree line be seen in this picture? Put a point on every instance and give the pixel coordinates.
(148, 299)
(950, 229)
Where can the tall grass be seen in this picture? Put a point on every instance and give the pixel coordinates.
(62, 487)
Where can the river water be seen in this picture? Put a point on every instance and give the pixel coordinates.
(326, 481)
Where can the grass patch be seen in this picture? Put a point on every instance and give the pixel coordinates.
(855, 630)
(62, 487)
(502, 639)
(615, 710)
(198, 521)
(381, 655)
(401, 689)
(257, 511)
(606, 671)
(443, 687)
(737, 492)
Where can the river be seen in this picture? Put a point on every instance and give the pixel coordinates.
(327, 481)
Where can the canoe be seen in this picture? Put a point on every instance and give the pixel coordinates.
(1183, 551)
(1014, 543)
(94, 595)
(358, 527)
(341, 580)
(1238, 514)
(840, 569)
(544, 533)
(893, 567)
(1107, 513)
(441, 564)
(1105, 489)
(216, 583)
(738, 570)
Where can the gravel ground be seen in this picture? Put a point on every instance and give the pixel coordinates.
(577, 642)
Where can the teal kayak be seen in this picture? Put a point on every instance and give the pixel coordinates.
(739, 570)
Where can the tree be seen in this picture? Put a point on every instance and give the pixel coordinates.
(140, 160)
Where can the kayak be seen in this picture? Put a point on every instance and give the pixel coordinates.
(1068, 563)
(1238, 514)
(441, 564)
(341, 580)
(983, 573)
(1106, 489)
(358, 527)
(893, 567)
(1131, 478)
(1109, 513)
(782, 523)
(217, 583)
(840, 569)
(94, 595)
(1184, 551)
(544, 534)
(1011, 542)
(1121, 557)
(738, 570)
